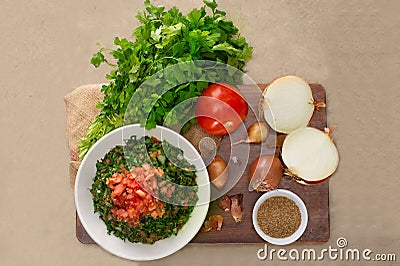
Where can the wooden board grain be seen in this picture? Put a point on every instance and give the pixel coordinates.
(315, 197)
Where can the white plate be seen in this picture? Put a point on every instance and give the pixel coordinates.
(96, 228)
(303, 211)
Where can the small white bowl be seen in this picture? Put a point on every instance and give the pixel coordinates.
(303, 211)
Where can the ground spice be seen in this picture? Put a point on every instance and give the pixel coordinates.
(279, 217)
(204, 143)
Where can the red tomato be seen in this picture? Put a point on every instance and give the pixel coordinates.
(220, 109)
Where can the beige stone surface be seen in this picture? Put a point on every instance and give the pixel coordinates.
(351, 47)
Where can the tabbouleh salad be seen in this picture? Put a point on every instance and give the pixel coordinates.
(128, 178)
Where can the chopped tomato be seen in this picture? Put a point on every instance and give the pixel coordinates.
(131, 201)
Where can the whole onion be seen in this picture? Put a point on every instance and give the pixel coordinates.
(265, 173)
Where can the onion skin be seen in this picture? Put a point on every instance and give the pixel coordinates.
(225, 203)
(287, 174)
(237, 207)
(213, 222)
(266, 172)
(316, 182)
(218, 172)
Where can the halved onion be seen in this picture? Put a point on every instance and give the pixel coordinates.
(288, 104)
(310, 155)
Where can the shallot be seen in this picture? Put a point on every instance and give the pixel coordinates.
(218, 172)
(256, 133)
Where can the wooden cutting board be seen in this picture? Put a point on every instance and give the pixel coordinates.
(316, 197)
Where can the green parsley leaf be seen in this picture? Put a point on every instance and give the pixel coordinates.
(165, 38)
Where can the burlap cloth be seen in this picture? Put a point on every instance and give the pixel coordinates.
(81, 109)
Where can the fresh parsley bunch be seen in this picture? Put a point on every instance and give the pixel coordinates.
(165, 38)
